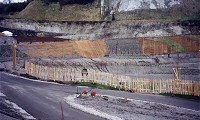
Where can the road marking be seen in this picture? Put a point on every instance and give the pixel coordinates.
(31, 79)
(22, 112)
(2, 95)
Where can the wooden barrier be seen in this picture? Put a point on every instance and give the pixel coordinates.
(186, 87)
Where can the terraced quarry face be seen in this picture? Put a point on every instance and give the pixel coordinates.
(119, 47)
(142, 57)
(136, 46)
(123, 63)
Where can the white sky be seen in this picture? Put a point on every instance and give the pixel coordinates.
(12, 1)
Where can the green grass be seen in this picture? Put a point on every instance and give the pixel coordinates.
(53, 11)
(174, 45)
(181, 96)
(37, 10)
(100, 86)
(193, 38)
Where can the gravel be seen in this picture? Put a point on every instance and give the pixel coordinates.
(130, 109)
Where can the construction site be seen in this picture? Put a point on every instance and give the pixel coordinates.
(109, 43)
(144, 64)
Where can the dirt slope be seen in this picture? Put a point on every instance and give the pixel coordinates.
(83, 48)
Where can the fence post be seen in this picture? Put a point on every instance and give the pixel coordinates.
(193, 88)
(153, 86)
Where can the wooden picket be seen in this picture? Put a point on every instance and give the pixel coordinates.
(186, 87)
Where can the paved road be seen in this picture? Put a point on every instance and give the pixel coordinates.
(41, 99)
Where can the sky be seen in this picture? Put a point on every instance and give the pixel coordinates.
(12, 1)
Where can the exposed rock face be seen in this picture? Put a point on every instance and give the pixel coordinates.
(129, 5)
(151, 9)
(110, 30)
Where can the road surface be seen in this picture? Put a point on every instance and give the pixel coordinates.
(42, 99)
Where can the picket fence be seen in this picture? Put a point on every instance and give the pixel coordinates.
(186, 87)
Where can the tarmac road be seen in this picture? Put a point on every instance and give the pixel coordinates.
(42, 99)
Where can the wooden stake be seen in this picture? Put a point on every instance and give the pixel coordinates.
(62, 111)
(14, 56)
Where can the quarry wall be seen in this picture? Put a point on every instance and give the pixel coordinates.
(108, 30)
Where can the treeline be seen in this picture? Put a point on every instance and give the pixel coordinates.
(17, 7)
(12, 7)
(64, 2)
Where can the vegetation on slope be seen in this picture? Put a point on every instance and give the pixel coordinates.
(64, 2)
(38, 10)
(194, 38)
(174, 45)
(11, 8)
(89, 10)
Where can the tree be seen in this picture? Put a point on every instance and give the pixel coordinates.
(64, 2)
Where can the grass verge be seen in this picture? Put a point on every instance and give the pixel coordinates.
(97, 85)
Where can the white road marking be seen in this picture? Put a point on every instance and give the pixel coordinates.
(31, 79)
(22, 112)
(2, 95)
